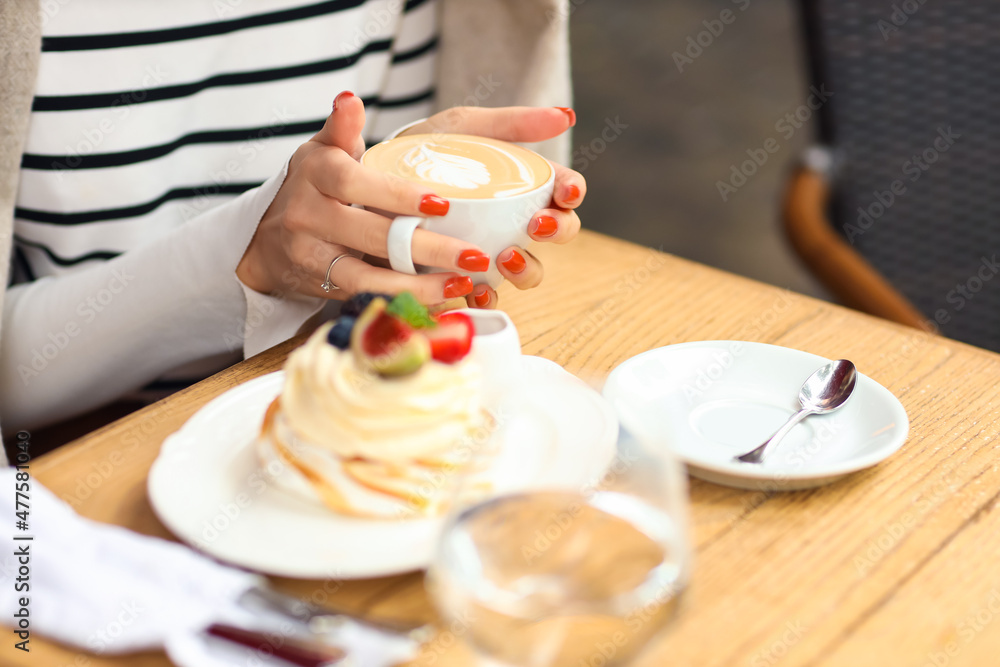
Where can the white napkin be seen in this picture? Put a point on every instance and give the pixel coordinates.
(107, 590)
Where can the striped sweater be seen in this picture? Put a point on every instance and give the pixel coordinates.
(130, 219)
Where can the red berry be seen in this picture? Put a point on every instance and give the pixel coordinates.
(385, 333)
(451, 339)
(386, 343)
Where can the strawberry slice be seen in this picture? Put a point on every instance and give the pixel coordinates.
(384, 334)
(451, 339)
(387, 344)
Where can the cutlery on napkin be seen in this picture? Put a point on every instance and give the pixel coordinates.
(107, 590)
(293, 651)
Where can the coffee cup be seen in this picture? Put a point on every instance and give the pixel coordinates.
(494, 189)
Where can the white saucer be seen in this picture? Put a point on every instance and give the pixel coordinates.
(713, 400)
(207, 488)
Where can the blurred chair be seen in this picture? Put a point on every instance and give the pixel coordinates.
(898, 213)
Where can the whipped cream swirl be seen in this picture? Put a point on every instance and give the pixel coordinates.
(332, 402)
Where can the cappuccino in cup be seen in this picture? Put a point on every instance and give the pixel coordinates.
(461, 166)
(494, 189)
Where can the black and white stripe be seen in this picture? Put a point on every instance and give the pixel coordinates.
(147, 114)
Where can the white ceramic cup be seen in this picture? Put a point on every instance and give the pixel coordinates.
(493, 225)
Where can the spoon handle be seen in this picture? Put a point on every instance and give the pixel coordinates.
(757, 455)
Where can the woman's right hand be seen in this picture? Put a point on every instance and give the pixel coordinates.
(311, 222)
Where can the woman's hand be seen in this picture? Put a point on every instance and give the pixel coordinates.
(559, 222)
(311, 222)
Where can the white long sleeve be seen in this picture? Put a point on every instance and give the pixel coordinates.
(78, 341)
(140, 120)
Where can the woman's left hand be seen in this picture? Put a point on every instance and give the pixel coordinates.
(559, 222)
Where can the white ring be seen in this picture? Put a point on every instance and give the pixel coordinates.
(327, 285)
(400, 244)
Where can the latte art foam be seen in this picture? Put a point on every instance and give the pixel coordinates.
(461, 166)
(434, 166)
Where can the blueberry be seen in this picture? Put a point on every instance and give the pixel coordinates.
(357, 303)
(340, 334)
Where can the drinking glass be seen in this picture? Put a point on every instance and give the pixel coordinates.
(577, 574)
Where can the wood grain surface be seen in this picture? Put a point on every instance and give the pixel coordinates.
(895, 565)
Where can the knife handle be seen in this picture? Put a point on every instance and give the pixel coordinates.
(291, 650)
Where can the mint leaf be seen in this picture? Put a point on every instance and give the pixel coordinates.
(406, 307)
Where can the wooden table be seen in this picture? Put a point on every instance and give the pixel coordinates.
(895, 565)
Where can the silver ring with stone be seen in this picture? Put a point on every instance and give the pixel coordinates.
(327, 285)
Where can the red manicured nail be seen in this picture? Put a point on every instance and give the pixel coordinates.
(459, 286)
(572, 194)
(434, 205)
(543, 226)
(343, 96)
(569, 112)
(515, 263)
(473, 260)
(482, 300)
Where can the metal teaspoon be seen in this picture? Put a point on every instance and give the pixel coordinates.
(824, 391)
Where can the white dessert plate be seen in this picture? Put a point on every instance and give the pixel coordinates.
(207, 488)
(712, 400)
